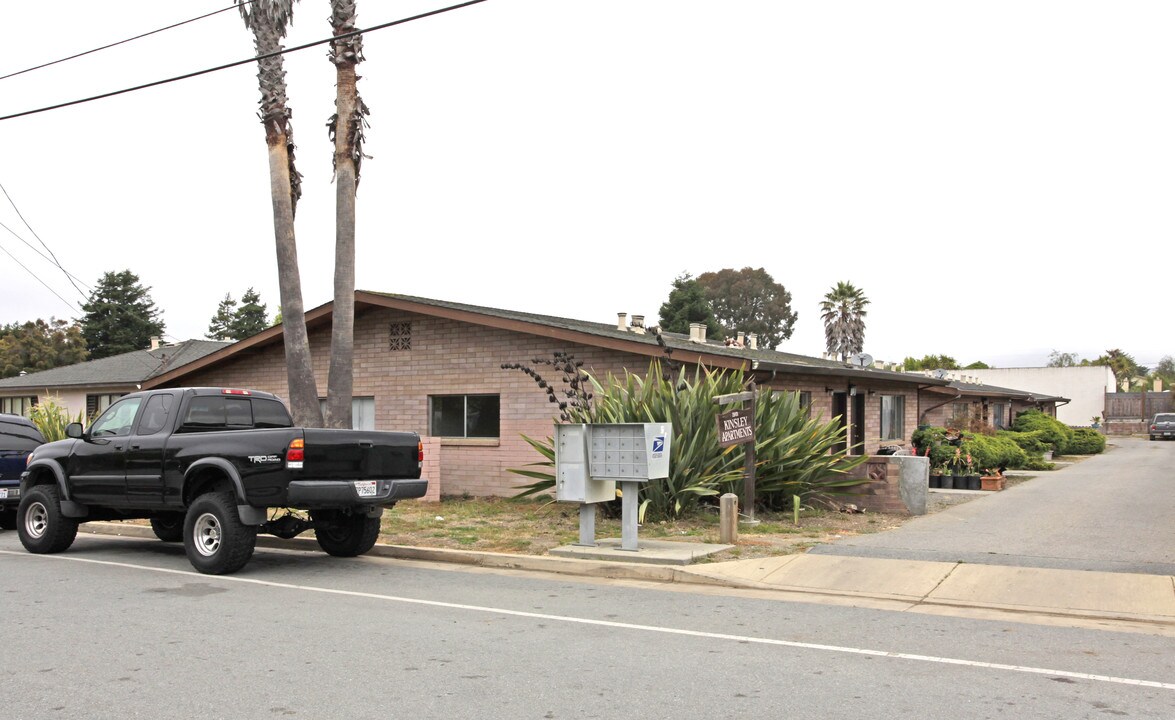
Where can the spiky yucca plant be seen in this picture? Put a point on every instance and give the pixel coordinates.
(51, 419)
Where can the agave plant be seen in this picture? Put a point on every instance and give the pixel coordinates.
(795, 455)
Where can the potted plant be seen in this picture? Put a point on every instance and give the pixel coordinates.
(936, 476)
(993, 479)
(973, 477)
(959, 470)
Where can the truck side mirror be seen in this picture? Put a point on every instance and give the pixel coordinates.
(74, 430)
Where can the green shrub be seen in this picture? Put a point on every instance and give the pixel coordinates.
(793, 453)
(1029, 441)
(1037, 464)
(1051, 431)
(1086, 441)
(51, 419)
(989, 452)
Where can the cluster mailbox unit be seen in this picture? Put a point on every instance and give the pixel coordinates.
(591, 458)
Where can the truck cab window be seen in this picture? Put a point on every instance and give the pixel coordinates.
(117, 420)
(155, 414)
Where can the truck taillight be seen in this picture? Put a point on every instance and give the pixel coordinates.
(227, 391)
(420, 452)
(296, 452)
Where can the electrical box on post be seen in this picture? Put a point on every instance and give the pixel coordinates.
(573, 483)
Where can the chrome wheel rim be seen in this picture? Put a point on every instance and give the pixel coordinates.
(36, 520)
(207, 533)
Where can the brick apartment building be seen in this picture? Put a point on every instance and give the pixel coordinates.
(434, 367)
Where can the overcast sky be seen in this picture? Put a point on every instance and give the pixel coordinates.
(997, 176)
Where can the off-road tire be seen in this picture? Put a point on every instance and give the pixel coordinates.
(215, 539)
(40, 524)
(169, 528)
(8, 519)
(344, 535)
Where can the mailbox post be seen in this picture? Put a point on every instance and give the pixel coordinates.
(591, 459)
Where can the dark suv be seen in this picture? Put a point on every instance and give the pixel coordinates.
(18, 438)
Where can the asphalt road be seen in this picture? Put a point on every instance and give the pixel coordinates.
(122, 628)
(1113, 512)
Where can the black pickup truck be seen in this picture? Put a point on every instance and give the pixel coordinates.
(213, 467)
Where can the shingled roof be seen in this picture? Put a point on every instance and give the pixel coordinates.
(605, 335)
(133, 367)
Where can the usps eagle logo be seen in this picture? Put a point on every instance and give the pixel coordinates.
(658, 445)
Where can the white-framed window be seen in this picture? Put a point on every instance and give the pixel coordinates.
(999, 415)
(362, 412)
(893, 417)
(464, 416)
(97, 404)
(17, 405)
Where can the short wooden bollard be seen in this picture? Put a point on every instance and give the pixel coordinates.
(728, 519)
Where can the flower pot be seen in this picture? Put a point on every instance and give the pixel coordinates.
(1048, 456)
(948, 482)
(973, 482)
(992, 482)
(936, 481)
(960, 482)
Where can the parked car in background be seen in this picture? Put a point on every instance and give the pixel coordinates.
(1163, 426)
(18, 438)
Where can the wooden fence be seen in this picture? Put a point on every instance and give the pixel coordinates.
(1131, 412)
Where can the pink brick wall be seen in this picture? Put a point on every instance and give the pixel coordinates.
(450, 357)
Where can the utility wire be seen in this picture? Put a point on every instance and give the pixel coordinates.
(226, 66)
(34, 232)
(122, 42)
(30, 272)
(43, 255)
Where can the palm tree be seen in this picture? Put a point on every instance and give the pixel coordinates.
(346, 130)
(843, 311)
(268, 19)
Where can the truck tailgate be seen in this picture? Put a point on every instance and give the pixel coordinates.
(355, 454)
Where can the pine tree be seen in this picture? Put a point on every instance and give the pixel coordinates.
(221, 326)
(687, 304)
(120, 316)
(250, 317)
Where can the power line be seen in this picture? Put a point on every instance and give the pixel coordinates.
(43, 255)
(122, 42)
(30, 272)
(34, 232)
(226, 66)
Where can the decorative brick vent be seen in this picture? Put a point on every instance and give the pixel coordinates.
(400, 336)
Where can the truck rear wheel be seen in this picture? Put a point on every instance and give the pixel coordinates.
(169, 528)
(215, 539)
(40, 524)
(344, 535)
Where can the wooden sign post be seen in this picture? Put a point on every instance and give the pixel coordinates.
(737, 427)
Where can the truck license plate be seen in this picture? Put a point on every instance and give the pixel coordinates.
(3, 493)
(365, 488)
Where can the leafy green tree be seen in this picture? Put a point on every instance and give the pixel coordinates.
(931, 362)
(843, 312)
(977, 365)
(1122, 364)
(1063, 359)
(220, 328)
(250, 318)
(38, 345)
(687, 304)
(749, 300)
(1166, 370)
(120, 316)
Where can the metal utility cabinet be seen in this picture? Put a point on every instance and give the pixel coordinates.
(591, 458)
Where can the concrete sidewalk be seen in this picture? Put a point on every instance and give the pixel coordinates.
(900, 584)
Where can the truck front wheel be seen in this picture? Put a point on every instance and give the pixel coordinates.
(40, 524)
(169, 527)
(216, 541)
(344, 535)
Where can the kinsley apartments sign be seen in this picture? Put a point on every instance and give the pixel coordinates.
(735, 427)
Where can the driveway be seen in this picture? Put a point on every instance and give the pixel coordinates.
(1113, 512)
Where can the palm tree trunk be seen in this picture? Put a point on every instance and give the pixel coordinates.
(267, 19)
(347, 130)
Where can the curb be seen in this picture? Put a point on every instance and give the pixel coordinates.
(606, 569)
(613, 570)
